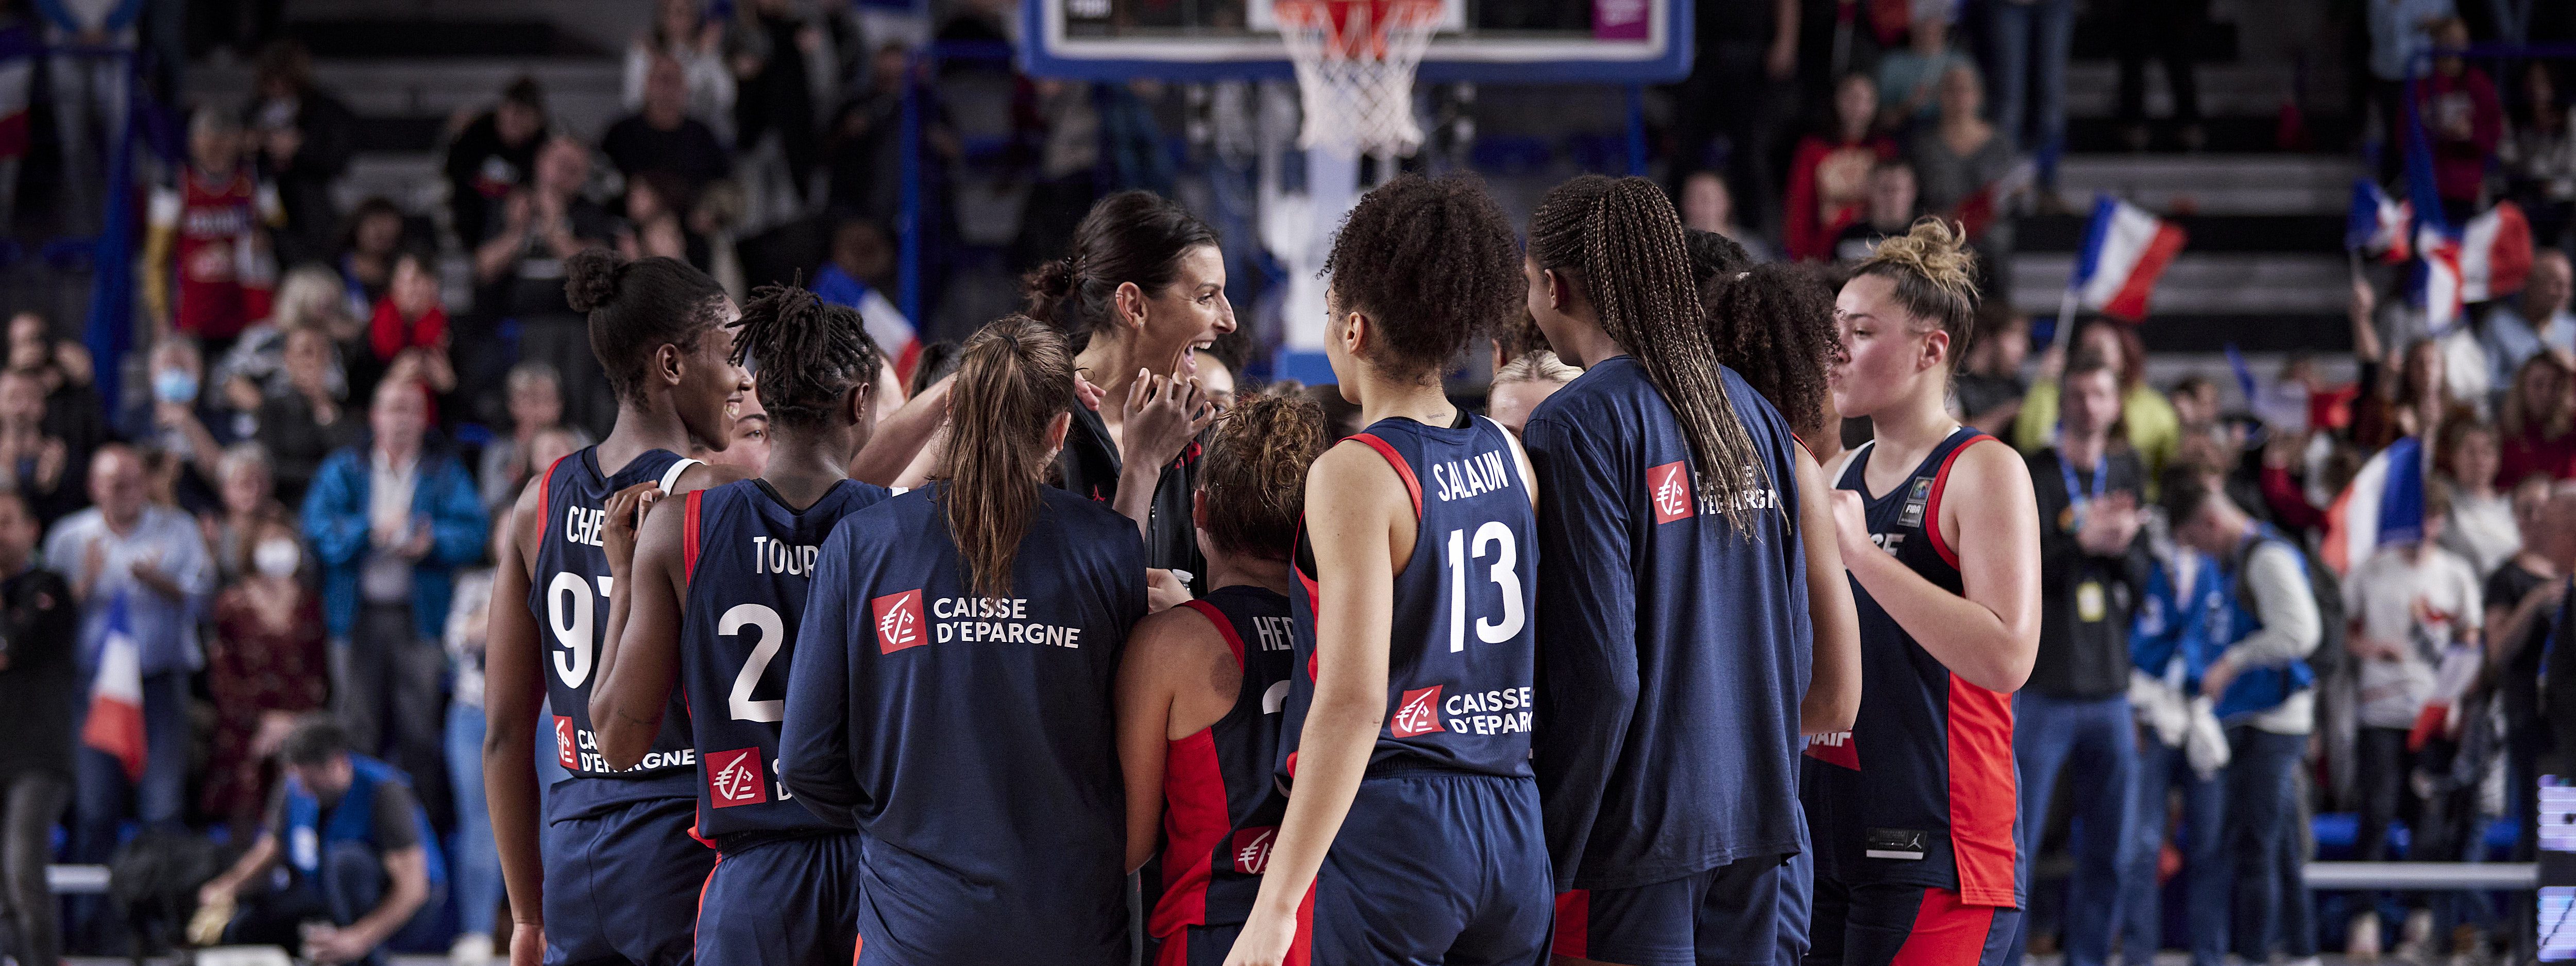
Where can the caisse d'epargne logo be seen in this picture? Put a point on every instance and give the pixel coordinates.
(1417, 714)
(734, 778)
(899, 621)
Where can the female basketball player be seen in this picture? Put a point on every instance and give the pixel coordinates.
(619, 876)
(1413, 818)
(1668, 767)
(1914, 810)
(1200, 688)
(1144, 285)
(717, 584)
(951, 697)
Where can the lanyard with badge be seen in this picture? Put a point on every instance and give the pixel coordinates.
(2090, 605)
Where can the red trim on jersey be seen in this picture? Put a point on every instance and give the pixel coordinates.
(858, 944)
(545, 487)
(1403, 469)
(693, 826)
(1194, 819)
(689, 539)
(1932, 507)
(1946, 932)
(1983, 795)
(1574, 923)
(1224, 627)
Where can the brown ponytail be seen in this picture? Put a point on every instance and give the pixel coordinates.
(1254, 475)
(1017, 376)
(1623, 241)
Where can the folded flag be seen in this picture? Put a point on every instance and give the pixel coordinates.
(2125, 251)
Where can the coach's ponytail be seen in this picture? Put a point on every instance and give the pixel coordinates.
(1622, 241)
(1017, 376)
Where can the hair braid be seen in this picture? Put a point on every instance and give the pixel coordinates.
(1623, 239)
(809, 353)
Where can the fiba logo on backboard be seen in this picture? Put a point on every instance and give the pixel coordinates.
(898, 621)
(1417, 714)
(1669, 486)
(1251, 848)
(564, 750)
(733, 778)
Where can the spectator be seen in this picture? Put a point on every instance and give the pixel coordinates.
(1909, 79)
(779, 63)
(207, 233)
(1709, 205)
(390, 521)
(521, 269)
(2462, 120)
(1519, 386)
(249, 506)
(171, 421)
(1960, 163)
(857, 275)
(1990, 387)
(2147, 420)
(367, 249)
(409, 328)
(267, 668)
(535, 405)
(1829, 175)
(1891, 211)
(656, 202)
(2074, 711)
(2169, 648)
(255, 369)
(43, 469)
(350, 884)
(2400, 30)
(301, 427)
(1745, 52)
(93, 43)
(2518, 330)
(2520, 598)
(2539, 155)
(2169, 31)
(2481, 529)
(2195, 403)
(72, 408)
(304, 139)
(491, 158)
(663, 137)
(478, 859)
(684, 33)
(2410, 404)
(2264, 695)
(40, 698)
(2412, 602)
(2536, 420)
(2029, 41)
(147, 565)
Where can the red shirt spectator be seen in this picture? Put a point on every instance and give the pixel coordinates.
(1829, 175)
(2463, 121)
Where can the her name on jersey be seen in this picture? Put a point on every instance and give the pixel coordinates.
(1481, 474)
(996, 619)
(582, 524)
(770, 556)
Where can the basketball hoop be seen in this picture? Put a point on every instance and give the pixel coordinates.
(1355, 61)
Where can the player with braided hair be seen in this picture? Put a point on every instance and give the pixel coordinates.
(1680, 515)
(717, 583)
(1915, 809)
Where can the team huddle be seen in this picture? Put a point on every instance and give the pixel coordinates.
(1635, 680)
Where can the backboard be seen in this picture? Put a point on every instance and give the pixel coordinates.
(1490, 41)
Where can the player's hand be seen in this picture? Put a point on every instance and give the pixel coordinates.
(1083, 389)
(1851, 524)
(528, 944)
(625, 513)
(1264, 941)
(1163, 590)
(1162, 415)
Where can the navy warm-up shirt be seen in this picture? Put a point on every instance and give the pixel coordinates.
(972, 741)
(1673, 648)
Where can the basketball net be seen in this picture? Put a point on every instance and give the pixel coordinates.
(1355, 61)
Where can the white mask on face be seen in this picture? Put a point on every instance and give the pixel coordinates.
(277, 557)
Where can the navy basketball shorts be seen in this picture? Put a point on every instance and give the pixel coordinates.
(1729, 914)
(915, 910)
(622, 884)
(783, 902)
(1198, 945)
(1431, 869)
(1797, 902)
(1905, 925)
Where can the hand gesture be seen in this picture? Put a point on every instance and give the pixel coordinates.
(93, 561)
(2220, 673)
(1163, 590)
(50, 458)
(1162, 414)
(335, 944)
(2109, 524)
(1851, 524)
(419, 543)
(625, 514)
(1084, 390)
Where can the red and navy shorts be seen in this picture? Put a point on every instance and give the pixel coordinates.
(1729, 914)
(1902, 925)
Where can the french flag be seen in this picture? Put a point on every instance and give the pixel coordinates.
(2378, 225)
(115, 724)
(2383, 505)
(2125, 251)
(2488, 259)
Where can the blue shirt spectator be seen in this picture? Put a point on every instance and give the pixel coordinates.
(154, 555)
(394, 510)
(2518, 330)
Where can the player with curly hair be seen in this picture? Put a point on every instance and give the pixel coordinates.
(1915, 809)
(1680, 513)
(1412, 831)
(1774, 325)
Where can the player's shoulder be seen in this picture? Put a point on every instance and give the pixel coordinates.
(1988, 469)
(1173, 632)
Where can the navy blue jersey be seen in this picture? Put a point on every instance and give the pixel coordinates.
(1921, 791)
(748, 558)
(1461, 651)
(973, 740)
(1220, 810)
(1673, 647)
(569, 595)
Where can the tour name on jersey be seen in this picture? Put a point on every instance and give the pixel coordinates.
(577, 749)
(1475, 476)
(772, 556)
(901, 623)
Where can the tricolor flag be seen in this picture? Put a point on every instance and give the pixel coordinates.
(2489, 259)
(2125, 251)
(2378, 225)
(2383, 505)
(886, 324)
(115, 724)
(1978, 210)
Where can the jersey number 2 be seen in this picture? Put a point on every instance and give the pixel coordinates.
(1493, 533)
(773, 633)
